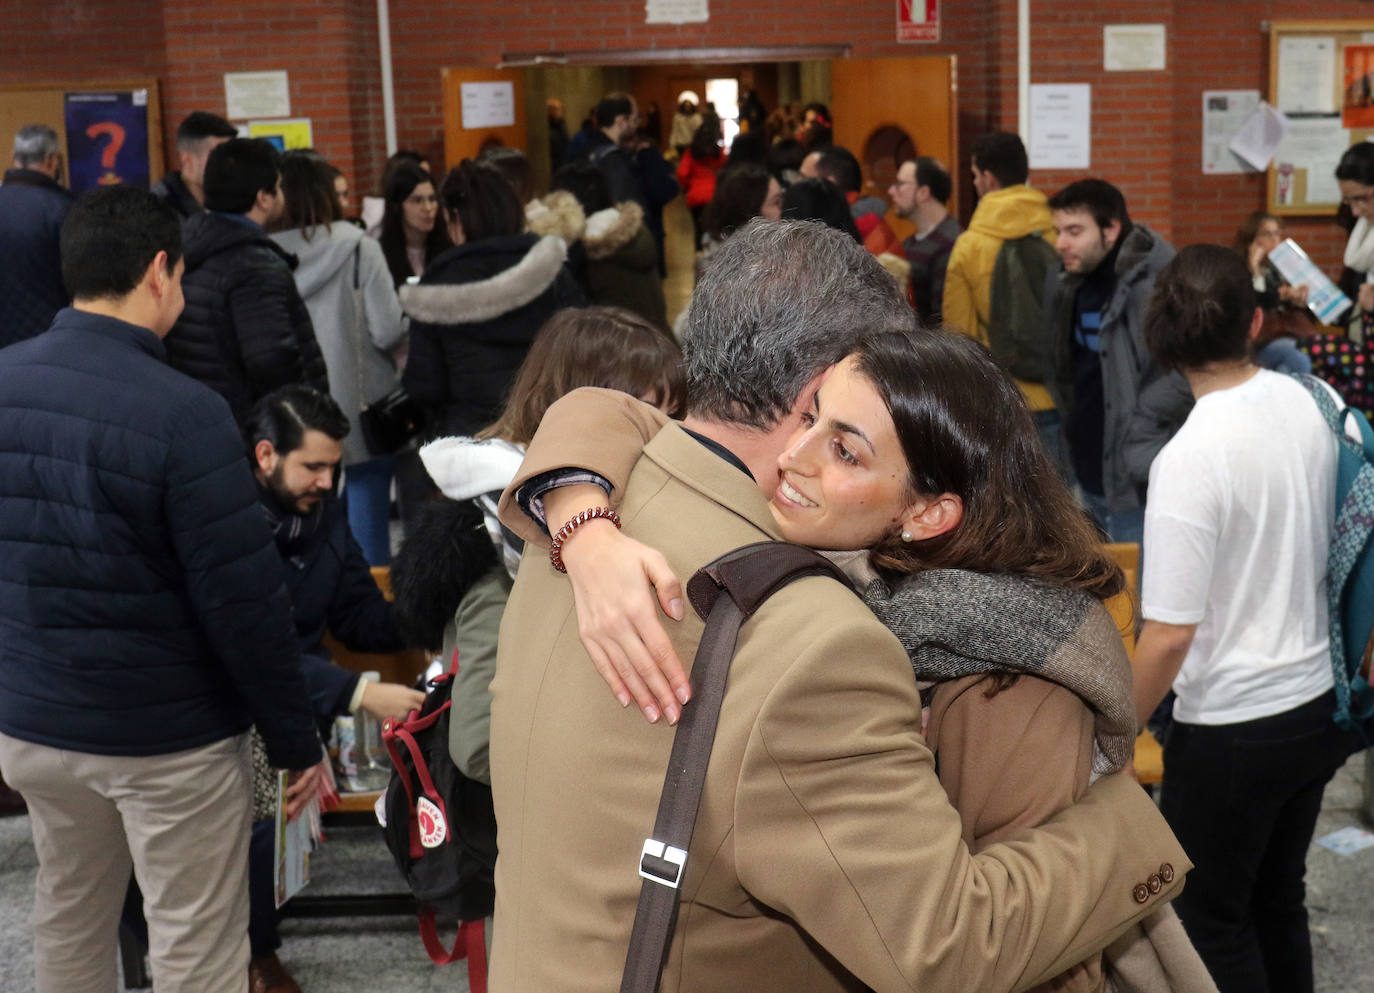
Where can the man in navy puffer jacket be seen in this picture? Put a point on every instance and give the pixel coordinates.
(245, 330)
(144, 622)
(32, 205)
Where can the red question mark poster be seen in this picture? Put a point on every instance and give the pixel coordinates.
(107, 139)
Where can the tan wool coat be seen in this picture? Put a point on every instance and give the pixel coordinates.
(826, 855)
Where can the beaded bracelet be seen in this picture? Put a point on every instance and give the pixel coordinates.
(590, 514)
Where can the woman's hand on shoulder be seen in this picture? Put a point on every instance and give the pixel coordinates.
(618, 586)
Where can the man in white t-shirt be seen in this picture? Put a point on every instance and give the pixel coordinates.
(1236, 534)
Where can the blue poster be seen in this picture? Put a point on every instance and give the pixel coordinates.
(107, 139)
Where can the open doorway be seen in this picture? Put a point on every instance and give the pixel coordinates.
(884, 110)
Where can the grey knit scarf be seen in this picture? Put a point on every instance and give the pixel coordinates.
(955, 623)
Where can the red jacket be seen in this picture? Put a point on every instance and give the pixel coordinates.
(698, 177)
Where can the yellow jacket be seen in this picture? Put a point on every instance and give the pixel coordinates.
(1013, 212)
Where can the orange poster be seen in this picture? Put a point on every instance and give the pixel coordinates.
(1357, 93)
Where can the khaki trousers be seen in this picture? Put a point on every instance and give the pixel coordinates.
(181, 820)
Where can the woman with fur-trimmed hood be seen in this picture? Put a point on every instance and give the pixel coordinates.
(480, 303)
(610, 251)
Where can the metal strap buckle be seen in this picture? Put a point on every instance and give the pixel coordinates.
(661, 863)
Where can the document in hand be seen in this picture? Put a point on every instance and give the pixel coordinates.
(294, 842)
(1324, 297)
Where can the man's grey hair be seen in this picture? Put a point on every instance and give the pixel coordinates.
(779, 303)
(33, 144)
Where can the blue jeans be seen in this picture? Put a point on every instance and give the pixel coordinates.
(1121, 526)
(1283, 355)
(1051, 428)
(367, 495)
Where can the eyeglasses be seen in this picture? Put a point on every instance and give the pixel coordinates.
(899, 183)
(1358, 200)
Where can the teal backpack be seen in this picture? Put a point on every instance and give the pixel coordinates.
(1350, 564)
(1016, 311)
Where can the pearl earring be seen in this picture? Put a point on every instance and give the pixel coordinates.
(906, 535)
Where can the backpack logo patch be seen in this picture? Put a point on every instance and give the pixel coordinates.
(430, 819)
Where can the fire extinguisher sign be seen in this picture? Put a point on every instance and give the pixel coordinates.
(918, 20)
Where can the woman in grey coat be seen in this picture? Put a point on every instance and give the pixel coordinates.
(344, 280)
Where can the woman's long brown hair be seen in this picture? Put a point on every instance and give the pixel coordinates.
(965, 429)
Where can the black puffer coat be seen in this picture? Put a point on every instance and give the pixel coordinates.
(245, 330)
(32, 209)
(473, 316)
(142, 604)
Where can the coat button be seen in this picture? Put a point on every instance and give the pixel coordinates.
(1166, 872)
(1140, 893)
(1154, 882)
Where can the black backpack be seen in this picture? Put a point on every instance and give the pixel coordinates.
(441, 830)
(1016, 314)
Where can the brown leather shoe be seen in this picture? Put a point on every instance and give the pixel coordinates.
(266, 974)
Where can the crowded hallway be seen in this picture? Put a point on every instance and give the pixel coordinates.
(843, 511)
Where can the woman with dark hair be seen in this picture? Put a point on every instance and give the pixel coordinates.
(454, 574)
(820, 200)
(1286, 318)
(1235, 607)
(411, 234)
(481, 302)
(610, 250)
(512, 163)
(749, 147)
(920, 466)
(742, 193)
(1355, 177)
(343, 278)
(697, 170)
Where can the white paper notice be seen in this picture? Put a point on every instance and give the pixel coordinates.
(1061, 126)
(256, 94)
(488, 105)
(1132, 47)
(1223, 113)
(676, 11)
(1307, 76)
(1315, 144)
(1260, 135)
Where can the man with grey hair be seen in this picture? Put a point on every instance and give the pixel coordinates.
(32, 207)
(197, 137)
(826, 856)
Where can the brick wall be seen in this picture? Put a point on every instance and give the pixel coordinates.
(1146, 126)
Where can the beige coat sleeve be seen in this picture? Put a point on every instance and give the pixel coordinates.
(601, 430)
(1011, 760)
(846, 829)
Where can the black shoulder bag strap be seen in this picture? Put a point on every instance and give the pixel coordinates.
(749, 576)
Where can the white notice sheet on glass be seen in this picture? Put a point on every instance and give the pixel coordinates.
(1307, 76)
(1061, 126)
(1223, 113)
(676, 11)
(488, 105)
(1315, 144)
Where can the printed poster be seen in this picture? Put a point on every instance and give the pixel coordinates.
(1061, 126)
(284, 135)
(1357, 93)
(107, 139)
(918, 20)
(1223, 114)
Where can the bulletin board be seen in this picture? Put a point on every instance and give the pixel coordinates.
(47, 103)
(1321, 76)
